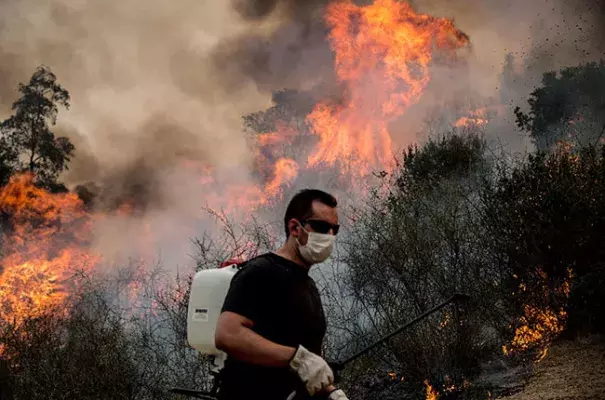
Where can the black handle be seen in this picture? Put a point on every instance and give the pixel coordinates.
(339, 365)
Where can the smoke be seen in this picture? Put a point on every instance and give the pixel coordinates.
(145, 99)
(287, 50)
(135, 72)
(159, 86)
(543, 35)
(292, 9)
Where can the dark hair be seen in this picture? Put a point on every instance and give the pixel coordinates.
(301, 205)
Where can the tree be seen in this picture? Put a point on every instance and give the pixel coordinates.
(8, 160)
(569, 106)
(28, 144)
(290, 107)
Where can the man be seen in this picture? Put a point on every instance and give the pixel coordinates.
(272, 324)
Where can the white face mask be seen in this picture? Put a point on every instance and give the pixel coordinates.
(318, 248)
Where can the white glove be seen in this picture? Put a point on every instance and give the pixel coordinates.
(337, 395)
(315, 373)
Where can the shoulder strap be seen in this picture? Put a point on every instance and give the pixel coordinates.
(258, 260)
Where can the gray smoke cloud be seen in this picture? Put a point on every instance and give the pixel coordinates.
(145, 97)
(542, 36)
(158, 83)
(291, 9)
(294, 53)
(136, 72)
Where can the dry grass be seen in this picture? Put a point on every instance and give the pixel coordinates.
(572, 370)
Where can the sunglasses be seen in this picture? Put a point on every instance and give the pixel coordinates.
(321, 226)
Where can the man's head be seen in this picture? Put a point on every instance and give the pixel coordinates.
(311, 212)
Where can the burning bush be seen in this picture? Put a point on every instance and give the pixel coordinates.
(526, 244)
(97, 347)
(524, 241)
(546, 218)
(417, 245)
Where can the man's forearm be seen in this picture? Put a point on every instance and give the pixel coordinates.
(250, 347)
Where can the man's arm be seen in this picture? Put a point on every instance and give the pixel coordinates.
(235, 337)
(252, 290)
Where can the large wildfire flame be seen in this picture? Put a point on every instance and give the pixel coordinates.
(382, 54)
(44, 244)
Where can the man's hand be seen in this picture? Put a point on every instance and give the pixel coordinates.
(334, 394)
(337, 395)
(315, 373)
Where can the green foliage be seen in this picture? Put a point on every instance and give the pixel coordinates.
(568, 106)
(451, 222)
(452, 156)
(27, 143)
(418, 245)
(85, 356)
(549, 215)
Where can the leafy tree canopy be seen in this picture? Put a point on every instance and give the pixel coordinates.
(26, 141)
(568, 106)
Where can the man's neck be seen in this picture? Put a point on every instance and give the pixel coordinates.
(288, 251)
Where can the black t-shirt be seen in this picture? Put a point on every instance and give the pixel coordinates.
(282, 301)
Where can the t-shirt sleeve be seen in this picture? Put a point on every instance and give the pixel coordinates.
(249, 292)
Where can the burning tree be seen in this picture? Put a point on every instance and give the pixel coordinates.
(546, 218)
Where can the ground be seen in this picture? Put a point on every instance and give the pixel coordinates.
(571, 370)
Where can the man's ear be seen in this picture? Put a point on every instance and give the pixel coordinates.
(293, 227)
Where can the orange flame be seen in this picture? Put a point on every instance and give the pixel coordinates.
(537, 327)
(470, 121)
(271, 138)
(382, 52)
(431, 393)
(43, 247)
(480, 117)
(285, 171)
(239, 199)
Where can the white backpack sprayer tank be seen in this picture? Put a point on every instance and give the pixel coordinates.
(208, 291)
